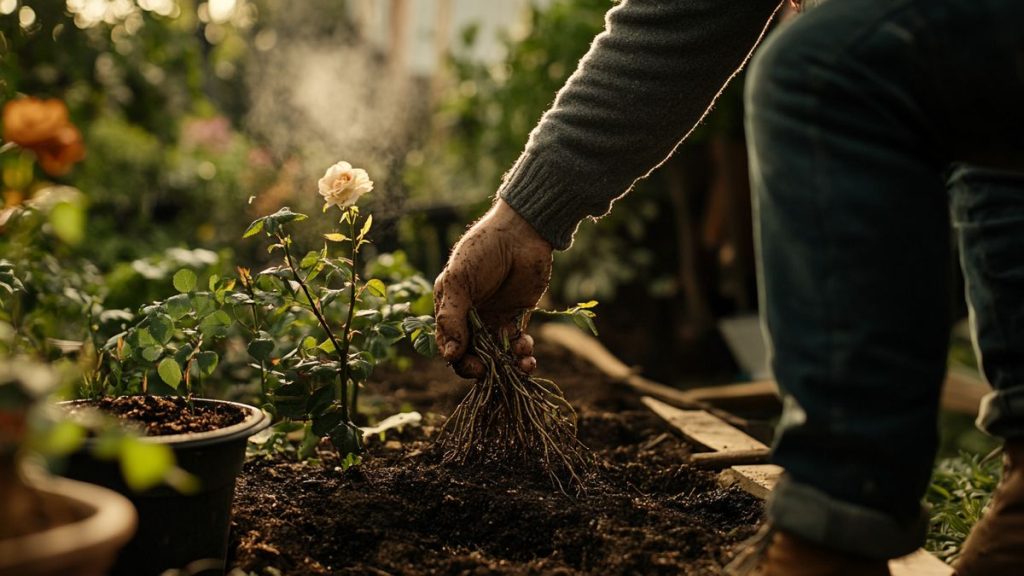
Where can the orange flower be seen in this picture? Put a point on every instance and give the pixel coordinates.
(43, 127)
(58, 154)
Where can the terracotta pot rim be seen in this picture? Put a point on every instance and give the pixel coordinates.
(109, 525)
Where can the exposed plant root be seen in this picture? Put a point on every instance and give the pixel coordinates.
(512, 419)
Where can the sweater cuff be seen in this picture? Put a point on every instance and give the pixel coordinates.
(546, 196)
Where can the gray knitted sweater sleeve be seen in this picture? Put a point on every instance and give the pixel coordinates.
(646, 81)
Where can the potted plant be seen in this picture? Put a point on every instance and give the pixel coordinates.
(184, 510)
(184, 515)
(322, 319)
(49, 526)
(183, 523)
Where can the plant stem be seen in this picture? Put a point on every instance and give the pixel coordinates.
(318, 313)
(348, 323)
(247, 283)
(188, 371)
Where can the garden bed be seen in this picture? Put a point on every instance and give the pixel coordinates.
(403, 512)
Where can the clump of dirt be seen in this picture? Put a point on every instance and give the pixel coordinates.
(645, 511)
(165, 415)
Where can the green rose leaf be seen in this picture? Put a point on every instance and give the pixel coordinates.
(310, 259)
(360, 366)
(285, 215)
(253, 228)
(216, 324)
(391, 331)
(320, 400)
(161, 327)
(261, 348)
(347, 438)
(585, 322)
(377, 288)
(324, 423)
(178, 306)
(424, 343)
(183, 353)
(415, 323)
(207, 362)
(152, 353)
(308, 343)
(185, 280)
(366, 228)
(144, 338)
(202, 304)
(170, 372)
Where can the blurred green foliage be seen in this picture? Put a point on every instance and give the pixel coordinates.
(961, 488)
(145, 81)
(487, 116)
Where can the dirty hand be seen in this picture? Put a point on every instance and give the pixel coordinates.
(501, 267)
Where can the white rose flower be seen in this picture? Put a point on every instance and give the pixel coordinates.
(342, 185)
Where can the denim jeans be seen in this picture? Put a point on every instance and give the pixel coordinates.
(858, 113)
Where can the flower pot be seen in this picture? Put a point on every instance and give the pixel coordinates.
(180, 530)
(84, 547)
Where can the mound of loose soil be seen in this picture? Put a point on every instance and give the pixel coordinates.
(165, 415)
(403, 512)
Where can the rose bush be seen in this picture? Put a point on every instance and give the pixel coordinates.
(311, 377)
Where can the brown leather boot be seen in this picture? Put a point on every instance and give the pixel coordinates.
(788, 555)
(996, 544)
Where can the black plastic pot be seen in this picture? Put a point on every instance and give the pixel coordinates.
(178, 531)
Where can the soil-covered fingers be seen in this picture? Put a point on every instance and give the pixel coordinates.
(451, 308)
(469, 366)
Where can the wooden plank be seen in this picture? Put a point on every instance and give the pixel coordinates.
(743, 390)
(586, 347)
(919, 563)
(755, 479)
(720, 460)
(589, 348)
(704, 429)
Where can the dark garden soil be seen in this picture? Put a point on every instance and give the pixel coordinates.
(164, 415)
(403, 512)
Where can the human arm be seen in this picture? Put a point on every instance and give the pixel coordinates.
(645, 83)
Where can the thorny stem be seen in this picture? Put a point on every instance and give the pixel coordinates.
(247, 284)
(347, 337)
(316, 312)
(188, 371)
